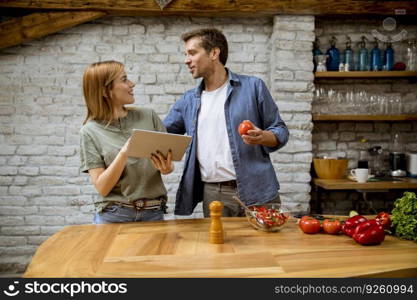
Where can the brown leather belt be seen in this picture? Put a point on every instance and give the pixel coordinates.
(231, 183)
(141, 204)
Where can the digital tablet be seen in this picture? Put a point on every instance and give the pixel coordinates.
(145, 142)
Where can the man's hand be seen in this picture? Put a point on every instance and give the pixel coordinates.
(164, 165)
(257, 136)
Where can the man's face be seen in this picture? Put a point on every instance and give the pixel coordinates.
(197, 59)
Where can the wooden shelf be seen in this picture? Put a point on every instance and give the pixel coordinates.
(346, 184)
(367, 74)
(376, 118)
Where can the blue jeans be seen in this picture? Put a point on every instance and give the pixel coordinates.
(121, 214)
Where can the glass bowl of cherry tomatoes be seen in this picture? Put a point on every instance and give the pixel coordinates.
(269, 217)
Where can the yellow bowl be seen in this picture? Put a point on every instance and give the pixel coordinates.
(330, 168)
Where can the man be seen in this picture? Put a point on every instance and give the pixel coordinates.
(220, 163)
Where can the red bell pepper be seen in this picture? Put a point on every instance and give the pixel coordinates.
(384, 219)
(370, 232)
(350, 224)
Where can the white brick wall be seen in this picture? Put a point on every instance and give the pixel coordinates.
(289, 64)
(41, 111)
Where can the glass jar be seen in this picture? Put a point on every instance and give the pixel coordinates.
(411, 64)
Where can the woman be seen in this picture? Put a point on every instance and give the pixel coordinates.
(130, 189)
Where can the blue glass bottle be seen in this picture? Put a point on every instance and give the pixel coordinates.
(348, 54)
(389, 58)
(334, 56)
(376, 63)
(316, 52)
(363, 55)
(357, 61)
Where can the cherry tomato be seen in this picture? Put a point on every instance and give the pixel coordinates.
(384, 219)
(244, 127)
(309, 225)
(332, 226)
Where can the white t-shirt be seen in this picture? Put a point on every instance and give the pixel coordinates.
(213, 149)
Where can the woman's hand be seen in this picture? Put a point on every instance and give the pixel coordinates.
(123, 151)
(164, 165)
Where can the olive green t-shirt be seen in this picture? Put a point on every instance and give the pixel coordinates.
(99, 146)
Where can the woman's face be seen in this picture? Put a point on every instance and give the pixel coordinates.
(121, 92)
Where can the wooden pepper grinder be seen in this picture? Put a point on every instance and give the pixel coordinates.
(216, 234)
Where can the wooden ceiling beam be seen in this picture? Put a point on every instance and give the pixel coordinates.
(223, 8)
(36, 25)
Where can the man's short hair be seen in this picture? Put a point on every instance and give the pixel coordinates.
(210, 38)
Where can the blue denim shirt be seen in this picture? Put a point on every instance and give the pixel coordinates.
(248, 98)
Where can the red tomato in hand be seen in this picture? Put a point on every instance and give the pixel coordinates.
(332, 226)
(309, 225)
(244, 127)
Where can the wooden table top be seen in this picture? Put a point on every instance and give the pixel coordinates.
(180, 248)
(347, 184)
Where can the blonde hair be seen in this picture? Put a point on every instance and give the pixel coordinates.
(97, 82)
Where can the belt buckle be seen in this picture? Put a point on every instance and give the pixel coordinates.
(140, 204)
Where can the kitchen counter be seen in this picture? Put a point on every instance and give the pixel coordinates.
(180, 248)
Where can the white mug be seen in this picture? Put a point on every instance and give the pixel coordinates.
(361, 175)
